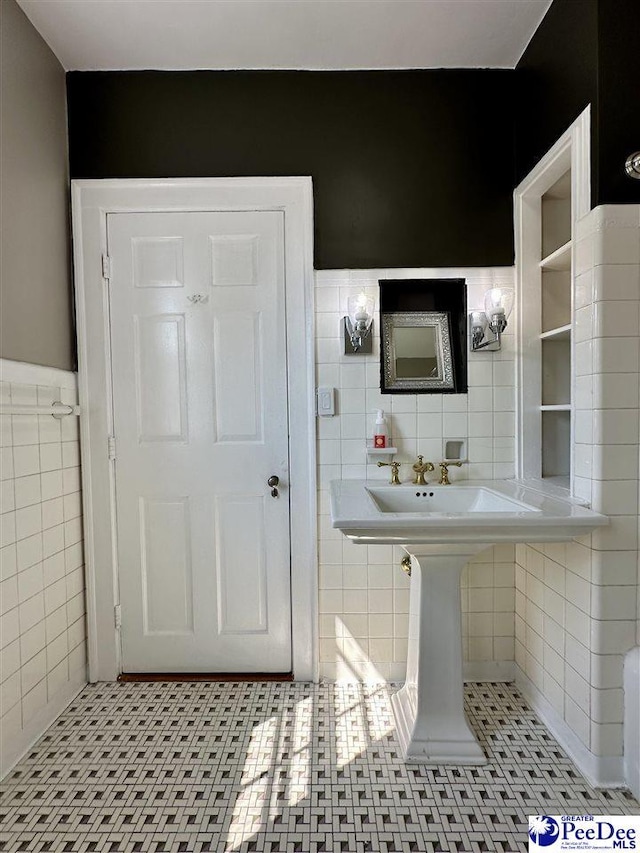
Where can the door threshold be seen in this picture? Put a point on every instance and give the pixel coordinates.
(205, 676)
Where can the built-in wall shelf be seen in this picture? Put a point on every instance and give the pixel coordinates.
(547, 283)
(562, 333)
(377, 452)
(559, 260)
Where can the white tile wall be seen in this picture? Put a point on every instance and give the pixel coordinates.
(364, 595)
(43, 637)
(591, 587)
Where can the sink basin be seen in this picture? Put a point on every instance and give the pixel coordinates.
(482, 511)
(442, 527)
(444, 499)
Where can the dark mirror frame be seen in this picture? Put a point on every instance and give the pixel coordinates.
(426, 296)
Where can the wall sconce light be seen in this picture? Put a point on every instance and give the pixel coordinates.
(632, 165)
(498, 305)
(358, 337)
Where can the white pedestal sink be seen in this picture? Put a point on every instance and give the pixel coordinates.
(429, 709)
(442, 527)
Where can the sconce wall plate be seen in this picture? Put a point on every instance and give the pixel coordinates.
(366, 345)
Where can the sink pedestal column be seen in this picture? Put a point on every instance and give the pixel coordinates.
(429, 709)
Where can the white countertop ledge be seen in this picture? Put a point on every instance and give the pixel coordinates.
(537, 516)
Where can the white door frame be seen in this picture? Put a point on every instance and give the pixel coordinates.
(92, 200)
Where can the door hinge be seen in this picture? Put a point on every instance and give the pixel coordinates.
(111, 447)
(117, 616)
(106, 267)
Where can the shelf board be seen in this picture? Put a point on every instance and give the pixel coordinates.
(558, 260)
(561, 480)
(562, 407)
(381, 451)
(561, 333)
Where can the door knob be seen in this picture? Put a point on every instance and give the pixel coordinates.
(273, 482)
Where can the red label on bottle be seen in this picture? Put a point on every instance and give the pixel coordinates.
(379, 440)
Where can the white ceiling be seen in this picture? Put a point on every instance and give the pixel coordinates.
(286, 34)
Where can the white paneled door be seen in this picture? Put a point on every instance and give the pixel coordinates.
(197, 313)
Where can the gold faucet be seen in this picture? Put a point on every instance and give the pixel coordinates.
(421, 468)
(444, 472)
(395, 467)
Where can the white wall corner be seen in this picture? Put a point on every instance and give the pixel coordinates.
(14, 749)
(632, 721)
(599, 771)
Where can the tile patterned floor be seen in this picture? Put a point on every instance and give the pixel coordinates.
(280, 767)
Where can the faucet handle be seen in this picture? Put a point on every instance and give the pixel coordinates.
(444, 469)
(395, 467)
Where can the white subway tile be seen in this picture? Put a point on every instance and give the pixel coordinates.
(615, 426)
(55, 624)
(57, 651)
(29, 551)
(9, 693)
(616, 282)
(30, 582)
(26, 460)
(49, 429)
(7, 528)
(612, 636)
(27, 491)
(6, 464)
(577, 720)
(31, 612)
(57, 678)
(25, 430)
(613, 602)
(606, 739)
(9, 660)
(617, 246)
(616, 319)
(28, 521)
(52, 540)
(577, 623)
(577, 656)
(50, 457)
(71, 481)
(34, 701)
(615, 391)
(33, 671)
(617, 568)
(617, 356)
(607, 706)
(32, 642)
(606, 671)
(621, 534)
(615, 497)
(7, 496)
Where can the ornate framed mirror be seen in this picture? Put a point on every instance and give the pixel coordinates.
(416, 352)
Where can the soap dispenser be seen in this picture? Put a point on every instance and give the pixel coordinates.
(380, 432)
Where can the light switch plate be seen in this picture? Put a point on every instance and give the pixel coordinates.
(326, 402)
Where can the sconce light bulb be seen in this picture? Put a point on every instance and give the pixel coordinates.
(498, 303)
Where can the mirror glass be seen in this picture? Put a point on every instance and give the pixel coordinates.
(416, 351)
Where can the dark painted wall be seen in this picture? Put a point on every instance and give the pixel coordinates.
(410, 168)
(584, 51)
(619, 99)
(557, 78)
